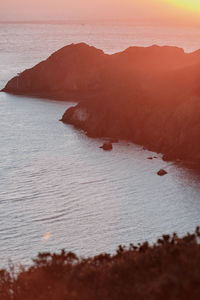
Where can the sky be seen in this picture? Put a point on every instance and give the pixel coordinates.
(147, 11)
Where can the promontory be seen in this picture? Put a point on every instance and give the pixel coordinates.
(150, 95)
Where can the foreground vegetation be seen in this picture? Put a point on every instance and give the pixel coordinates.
(170, 269)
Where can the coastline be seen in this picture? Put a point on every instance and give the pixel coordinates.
(149, 96)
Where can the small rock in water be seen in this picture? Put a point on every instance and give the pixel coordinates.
(107, 146)
(162, 172)
(150, 157)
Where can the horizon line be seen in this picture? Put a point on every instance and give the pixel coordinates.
(84, 21)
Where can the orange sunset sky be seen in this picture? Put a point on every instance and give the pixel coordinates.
(166, 11)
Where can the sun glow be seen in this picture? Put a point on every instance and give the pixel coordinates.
(191, 5)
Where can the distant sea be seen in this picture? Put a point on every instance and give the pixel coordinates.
(57, 188)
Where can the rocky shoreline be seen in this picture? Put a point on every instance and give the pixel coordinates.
(150, 96)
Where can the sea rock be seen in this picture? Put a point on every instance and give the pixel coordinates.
(107, 146)
(162, 172)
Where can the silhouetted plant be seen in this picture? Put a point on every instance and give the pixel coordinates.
(169, 269)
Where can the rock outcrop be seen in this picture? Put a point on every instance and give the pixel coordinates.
(70, 73)
(150, 96)
(162, 172)
(107, 146)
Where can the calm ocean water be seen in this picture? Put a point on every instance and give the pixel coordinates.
(56, 181)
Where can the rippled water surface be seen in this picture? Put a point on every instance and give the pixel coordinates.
(53, 179)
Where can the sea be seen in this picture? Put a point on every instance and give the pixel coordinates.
(58, 189)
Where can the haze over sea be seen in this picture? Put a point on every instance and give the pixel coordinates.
(56, 180)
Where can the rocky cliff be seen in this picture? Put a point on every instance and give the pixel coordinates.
(69, 73)
(150, 96)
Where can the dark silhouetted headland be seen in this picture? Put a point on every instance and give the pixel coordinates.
(150, 96)
(168, 270)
